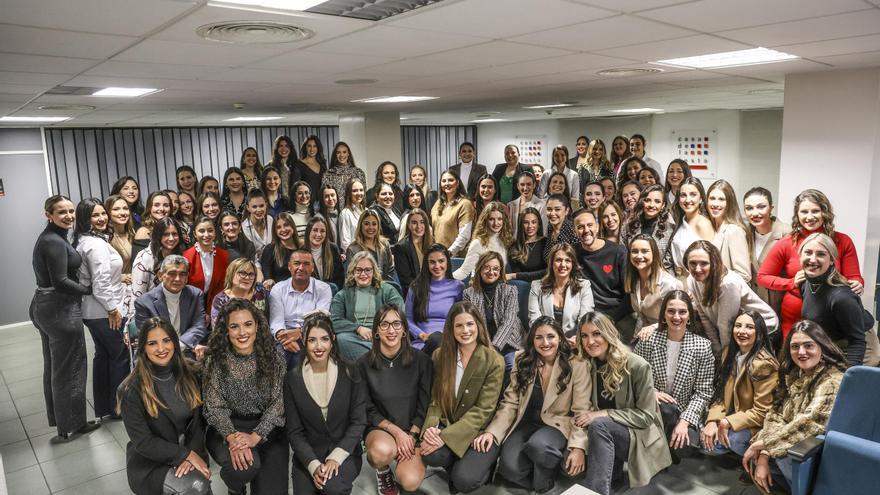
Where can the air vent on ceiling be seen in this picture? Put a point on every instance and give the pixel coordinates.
(629, 72)
(371, 10)
(253, 32)
(355, 82)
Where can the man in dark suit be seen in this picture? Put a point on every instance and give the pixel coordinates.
(468, 172)
(174, 301)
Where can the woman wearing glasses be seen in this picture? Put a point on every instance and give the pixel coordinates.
(240, 283)
(353, 308)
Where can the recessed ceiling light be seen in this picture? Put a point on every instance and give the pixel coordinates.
(355, 82)
(33, 119)
(404, 118)
(266, 5)
(394, 99)
(629, 72)
(484, 121)
(251, 119)
(736, 58)
(125, 92)
(637, 110)
(552, 105)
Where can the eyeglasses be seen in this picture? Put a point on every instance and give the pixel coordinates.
(396, 324)
(363, 271)
(491, 269)
(246, 274)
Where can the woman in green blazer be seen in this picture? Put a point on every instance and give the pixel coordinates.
(468, 373)
(353, 308)
(626, 425)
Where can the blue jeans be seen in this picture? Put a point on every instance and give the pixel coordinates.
(739, 442)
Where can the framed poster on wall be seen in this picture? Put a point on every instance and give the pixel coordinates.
(699, 148)
(532, 150)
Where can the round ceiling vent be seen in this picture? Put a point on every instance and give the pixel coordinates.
(629, 72)
(250, 32)
(61, 107)
(355, 82)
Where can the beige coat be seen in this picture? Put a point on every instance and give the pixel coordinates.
(749, 395)
(558, 409)
(731, 240)
(636, 408)
(647, 308)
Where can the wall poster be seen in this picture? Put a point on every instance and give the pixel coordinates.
(699, 148)
(532, 150)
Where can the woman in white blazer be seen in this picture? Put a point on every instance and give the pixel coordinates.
(563, 294)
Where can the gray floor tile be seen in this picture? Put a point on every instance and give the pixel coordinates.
(4, 394)
(18, 360)
(80, 467)
(19, 373)
(17, 455)
(7, 411)
(27, 481)
(30, 347)
(12, 336)
(111, 483)
(26, 387)
(37, 424)
(45, 450)
(118, 431)
(30, 404)
(11, 431)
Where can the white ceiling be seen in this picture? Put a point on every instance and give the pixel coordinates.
(476, 56)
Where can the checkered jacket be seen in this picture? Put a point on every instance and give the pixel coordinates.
(692, 386)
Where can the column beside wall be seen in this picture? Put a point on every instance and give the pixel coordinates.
(374, 137)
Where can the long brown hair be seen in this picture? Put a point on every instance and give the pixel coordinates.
(481, 229)
(832, 357)
(520, 250)
(326, 252)
(277, 247)
(443, 391)
(632, 277)
(575, 279)
(185, 382)
(717, 270)
(818, 197)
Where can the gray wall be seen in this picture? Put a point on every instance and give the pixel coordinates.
(25, 185)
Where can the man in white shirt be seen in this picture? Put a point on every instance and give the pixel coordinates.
(290, 300)
(637, 148)
(468, 172)
(177, 303)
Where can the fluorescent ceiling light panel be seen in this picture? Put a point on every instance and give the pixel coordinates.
(736, 58)
(34, 119)
(637, 110)
(484, 121)
(251, 119)
(552, 105)
(266, 5)
(125, 92)
(394, 99)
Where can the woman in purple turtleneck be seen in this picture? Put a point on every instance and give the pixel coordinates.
(430, 296)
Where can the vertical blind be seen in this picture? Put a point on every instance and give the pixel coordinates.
(434, 147)
(86, 162)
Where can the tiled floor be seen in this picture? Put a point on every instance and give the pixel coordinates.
(95, 464)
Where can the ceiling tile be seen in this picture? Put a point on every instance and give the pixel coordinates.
(117, 68)
(312, 61)
(867, 59)
(24, 89)
(856, 44)
(821, 28)
(489, 19)
(246, 74)
(216, 54)
(630, 5)
(774, 72)
(605, 33)
(394, 42)
(680, 47)
(718, 15)
(36, 41)
(34, 78)
(495, 53)
(167, 84)
(125, 17)
(51, 65)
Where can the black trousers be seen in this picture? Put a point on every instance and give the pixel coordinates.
(469, 472)
(58, 317)
(267, 475)
(608, 449)
(341, 484)
(110, 364)
(531, 455)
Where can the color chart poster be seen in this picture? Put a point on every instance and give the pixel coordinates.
(532, 150)
(699, 148)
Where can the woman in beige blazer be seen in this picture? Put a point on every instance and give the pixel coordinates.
(730, 231)
(765, 230)
(625, 424)
(533, 421)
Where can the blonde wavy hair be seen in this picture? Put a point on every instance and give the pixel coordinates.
(482, 232)
(614, 369)
(352, 264)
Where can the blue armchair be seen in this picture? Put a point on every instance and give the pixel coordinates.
(846, 459)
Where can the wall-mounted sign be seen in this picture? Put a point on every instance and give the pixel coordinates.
(699, 149)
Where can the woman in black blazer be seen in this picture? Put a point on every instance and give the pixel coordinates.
(325, 404)
(408, 253)
(160, 403)
(389, 214)
(328, 263)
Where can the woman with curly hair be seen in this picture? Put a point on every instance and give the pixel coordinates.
(342, 170)
(651, 216)
(533, 422)
(325, 404)
(492, 233)
(251, 168)
(243, 407)
(810, 373)
(597, 166)
(624, 417)
(163, 456)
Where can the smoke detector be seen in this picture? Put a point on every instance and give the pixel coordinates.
(254, 32)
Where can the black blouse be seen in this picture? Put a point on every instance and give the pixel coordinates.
(56, 263)
(535, 266)
(397, 393)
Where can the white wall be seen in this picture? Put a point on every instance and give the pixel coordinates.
(493, 137)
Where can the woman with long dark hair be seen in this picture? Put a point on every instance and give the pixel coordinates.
(390, 218)
(208, 204)
(351, 213)
(207, 262)
(127, 187)
(342, 170)
(413, 199)
(303, 206)
(329, 208)
(234, 196)
(455, 419)
(388, 174)
(625, 421)
(398, 381)
(232, 240)
(487, 192)
(284, 160)
(764, 230)
(276, 197)
(56, 311)
(410, 251)
(650, 216)
(618, 153)
(325, 404)
(164, 241)
(158, 207)
(251, 168)
(209, 184)
(810, 373)
(166, 452)
(328, 264)
(430, 297)
(526, 186)
(560, 166)
(187, 181)
(563, 294)
(312, 164)
(274, 258)
(243, 408)
(258, 225)
(527, 261)
(676, 173)
(692, 223)
(744, 386)
(560, 229)
(103, 311)
(532, 424)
